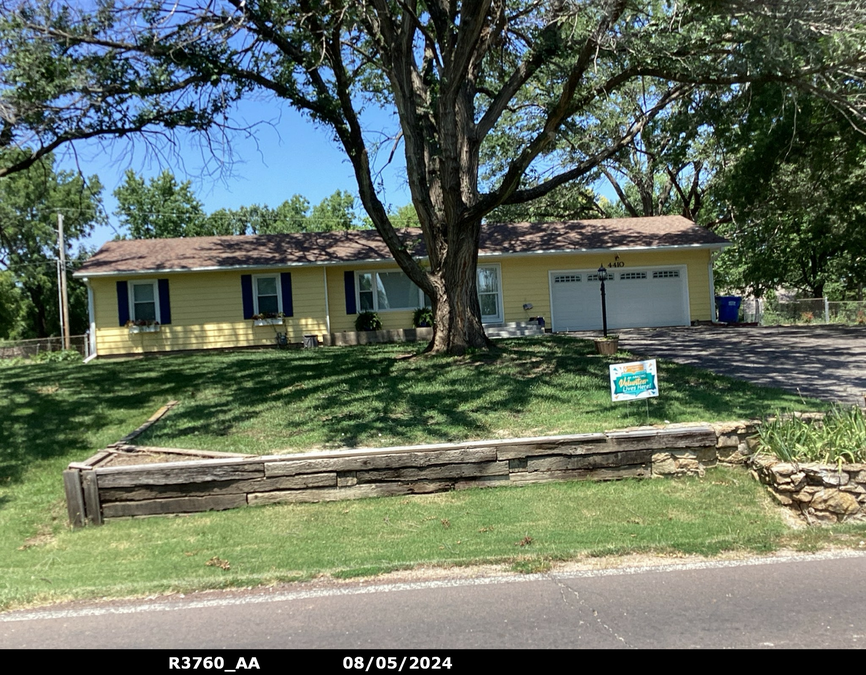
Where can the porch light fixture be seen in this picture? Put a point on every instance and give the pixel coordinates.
(602, 277)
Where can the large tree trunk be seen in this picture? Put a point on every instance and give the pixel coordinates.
(456, 311)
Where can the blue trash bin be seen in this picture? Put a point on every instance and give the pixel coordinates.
(729, 308)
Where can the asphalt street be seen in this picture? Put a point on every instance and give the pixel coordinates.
(812, 601)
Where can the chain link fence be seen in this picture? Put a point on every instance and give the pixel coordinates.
(11, 349)
(810, 310)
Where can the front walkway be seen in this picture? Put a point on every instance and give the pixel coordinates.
(825, 362)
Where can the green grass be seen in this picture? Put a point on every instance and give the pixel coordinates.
(347, 397)
(527, 528)
(54, 413)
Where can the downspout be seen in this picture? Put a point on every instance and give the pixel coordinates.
(713, 316)
(327, 306)
(92, 318)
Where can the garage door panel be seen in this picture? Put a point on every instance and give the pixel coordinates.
(635, 298)
(573, 298)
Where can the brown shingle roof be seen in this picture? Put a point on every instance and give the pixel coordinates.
(317, 248)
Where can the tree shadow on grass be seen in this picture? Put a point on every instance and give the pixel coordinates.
(341, 397)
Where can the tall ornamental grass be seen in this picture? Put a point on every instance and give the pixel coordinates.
(839, 438)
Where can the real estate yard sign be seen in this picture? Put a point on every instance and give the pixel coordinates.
(631, 381)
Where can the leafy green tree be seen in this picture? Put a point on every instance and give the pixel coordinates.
(162, 207)
(667, 166)
(459, 74)
(572, 201)
(404, 216)
(336, 212)
(292, 216)
(794, 189)
(55, 88)
(158, 208)
(30, 200)
(11, 300)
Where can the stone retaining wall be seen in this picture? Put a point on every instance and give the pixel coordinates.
(96, 490)
(821, 493)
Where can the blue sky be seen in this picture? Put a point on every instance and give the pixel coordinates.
(282, 154)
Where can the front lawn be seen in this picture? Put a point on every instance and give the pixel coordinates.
(270, 401)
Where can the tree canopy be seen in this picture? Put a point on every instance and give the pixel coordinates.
(793, 186)
(56, 88)
(162, 207)
(30, 200)
(461, 75)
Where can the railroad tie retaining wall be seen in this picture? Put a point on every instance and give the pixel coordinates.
(96, 491)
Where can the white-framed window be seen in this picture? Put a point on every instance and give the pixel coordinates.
(144, 301)
(267, 294)
(392, 290)
(380, 291)
(490, 293)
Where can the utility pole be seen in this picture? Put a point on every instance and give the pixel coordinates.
(64, 297)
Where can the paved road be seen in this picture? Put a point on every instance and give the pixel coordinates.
(825, 362)
(800, 601)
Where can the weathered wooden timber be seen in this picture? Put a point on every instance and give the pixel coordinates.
(153, 419)
(434, 472)
(202, 471)
(92, 507)
(153, 507)
(96, 490)
(608, 473)
(74, 497)
(137, 493)
(200, 454)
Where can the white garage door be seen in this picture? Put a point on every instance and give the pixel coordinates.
(636, 298)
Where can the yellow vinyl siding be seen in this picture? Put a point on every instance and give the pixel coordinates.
(207, 313)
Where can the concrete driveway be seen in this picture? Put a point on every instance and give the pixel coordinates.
(826, 362)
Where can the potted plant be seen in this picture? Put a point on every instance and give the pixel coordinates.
(607, 345)
(423, 317)
(368, 321)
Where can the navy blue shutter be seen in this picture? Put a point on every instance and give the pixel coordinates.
(349, 281)
(122, 303)
(164, 304)
(247, 295)
(286, 283)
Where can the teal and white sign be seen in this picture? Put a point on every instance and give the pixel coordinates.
(631, 381)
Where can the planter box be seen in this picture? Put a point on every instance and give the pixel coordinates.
(378, 336)
(144, 329)
(607, 347)
(268, 322)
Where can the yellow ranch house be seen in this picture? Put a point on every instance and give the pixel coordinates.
(165, 295)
